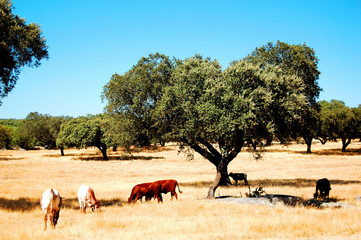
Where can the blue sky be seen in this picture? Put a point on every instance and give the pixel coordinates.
(89, 40)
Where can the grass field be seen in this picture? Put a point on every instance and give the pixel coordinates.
(283, 170)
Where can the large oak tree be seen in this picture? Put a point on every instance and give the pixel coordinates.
(216, 112)
(212, 111)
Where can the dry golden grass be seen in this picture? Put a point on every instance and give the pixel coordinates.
(283, 170)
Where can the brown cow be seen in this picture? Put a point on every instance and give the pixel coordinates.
(154, 191)
(169, 186)
(139, 191)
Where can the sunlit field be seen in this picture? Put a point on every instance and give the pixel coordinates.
(25, 175)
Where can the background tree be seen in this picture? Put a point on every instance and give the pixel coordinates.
(23, 137)
(6, 136)
(297, 60)
(132, 97)
(85, 132)
(21, 44)
(340, 122)
(215, 113)
(7, 132)
(42, 129)
(358, 117)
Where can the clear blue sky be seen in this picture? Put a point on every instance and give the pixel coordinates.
(89, 40)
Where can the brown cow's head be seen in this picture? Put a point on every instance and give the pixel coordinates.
(95, 207)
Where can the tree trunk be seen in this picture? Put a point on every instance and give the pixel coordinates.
(222, 178)
(214, 186)
(105, 156)
(62, 151)
(345, 143)
(308, 143)
(103, 150)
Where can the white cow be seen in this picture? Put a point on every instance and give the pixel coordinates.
(50, 203)
(86, 197)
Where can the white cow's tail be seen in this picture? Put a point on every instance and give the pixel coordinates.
(51, 198)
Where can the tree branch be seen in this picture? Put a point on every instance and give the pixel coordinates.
(211, 148)
(206, 154)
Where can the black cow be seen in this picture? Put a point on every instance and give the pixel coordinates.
(323, 188)
(239, 176)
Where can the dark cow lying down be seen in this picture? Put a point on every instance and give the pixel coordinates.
(239, 177)
(323, 188)
(154, 190)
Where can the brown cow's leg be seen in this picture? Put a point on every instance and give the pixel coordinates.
(45, 219)
(136, 198)
(159, 197)
(174, 194)
(51, 218)
(55, 218)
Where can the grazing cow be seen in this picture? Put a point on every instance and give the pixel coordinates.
(239, 176)
(86, 196)
(154, 190)
(50, 203)
(169, 186)
(323, 186)
(139, 191)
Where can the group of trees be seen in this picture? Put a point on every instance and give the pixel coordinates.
(334, 121)
(270, 94)
(56, 132)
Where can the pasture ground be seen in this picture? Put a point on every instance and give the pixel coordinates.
(287, 170)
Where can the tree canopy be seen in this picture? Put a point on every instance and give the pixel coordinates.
(5, 137)
(83, 132)
(339, 122)
(299, 60)
(131, 99)
(21, 45)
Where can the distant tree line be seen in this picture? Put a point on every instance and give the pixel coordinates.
(334, 121)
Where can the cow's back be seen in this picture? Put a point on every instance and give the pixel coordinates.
(82, 192)
(167, 185)
(50, 199)
(323, 184)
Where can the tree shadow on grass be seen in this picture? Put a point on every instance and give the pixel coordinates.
(116, 158)
(11, 158)
(28, 204)
(322, 152)
(297, 183)
(19, 205)
(72, 203)
(337, 152)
